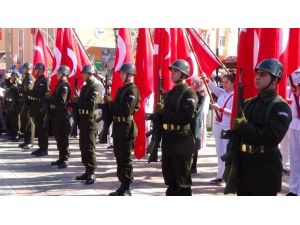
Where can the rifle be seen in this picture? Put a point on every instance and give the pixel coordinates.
(106, 115)
(155, 133)
(75, 113)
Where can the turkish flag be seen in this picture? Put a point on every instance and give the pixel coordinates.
(157, 62)
(247, 56)
(74, 56)
(42, 53)
(186, 52)
(57, 58)
(208, 62)
(256, 44)
(144, 82)
(123, 55)
(293, 50)
(162, 61)
(273, 44)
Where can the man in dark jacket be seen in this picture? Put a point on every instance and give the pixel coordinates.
(262, 126)
(124, 129)
(178, 144)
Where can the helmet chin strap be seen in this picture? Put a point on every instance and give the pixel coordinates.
(180, 79)
(272, 79)
(125, 81)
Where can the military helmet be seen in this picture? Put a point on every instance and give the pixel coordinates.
(39, 66)
(26, 65)
(14, 75)
(272, 66)
(128, 68)
(88, 69)
(182, 65)
(65, 70)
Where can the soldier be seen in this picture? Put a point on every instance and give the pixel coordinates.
(39, 109)
(262, 126)
(177, 112)
(60, 116)
(87, 105)
(26, 117)
(12, 106)
(124, 129)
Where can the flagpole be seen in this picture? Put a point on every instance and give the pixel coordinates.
(203, 74)
(217, 58)
(81, 44)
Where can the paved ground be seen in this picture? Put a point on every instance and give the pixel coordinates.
(24, 174)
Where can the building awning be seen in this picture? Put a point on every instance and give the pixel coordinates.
(230, 61)
(2, 53)
(96, 37)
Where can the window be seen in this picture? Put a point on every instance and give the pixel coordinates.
(222, 41)
(20, 58)
(21, 37)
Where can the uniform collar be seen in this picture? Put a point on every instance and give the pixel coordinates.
(180, 86)
(128, 84)
(267, 95)
(64, 80)
(90, 81)
(40, 77)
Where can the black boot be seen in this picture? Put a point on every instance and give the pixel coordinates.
(91, 178)
(15, 138)
(35, 151)
(41, 153)
(123, 190)
(28, 146)
(22, 145)
(194, 163)
(55, 163)
(82, 176)
(63, 164)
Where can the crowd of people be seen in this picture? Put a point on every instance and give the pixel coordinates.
(253, 165)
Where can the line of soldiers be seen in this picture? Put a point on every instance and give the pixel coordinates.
(259, 157)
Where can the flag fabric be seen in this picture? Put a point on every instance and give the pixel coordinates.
(247, 56)
(75, 57)
(144, 82)
(207, 60)
(42, 53)
(293, 50)
(185, 51)
(273, 44)
(123, 55)
(57, 52)
(256, 44)
(162, 61)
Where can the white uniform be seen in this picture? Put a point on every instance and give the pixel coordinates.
(294, 130)
(225, 101)
(285, 144)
